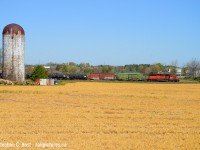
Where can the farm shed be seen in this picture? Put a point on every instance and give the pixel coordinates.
(45, 81)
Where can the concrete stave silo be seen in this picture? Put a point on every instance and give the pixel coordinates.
(13, 53)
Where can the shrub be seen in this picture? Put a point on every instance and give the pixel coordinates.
(197, 79)
(39, 73)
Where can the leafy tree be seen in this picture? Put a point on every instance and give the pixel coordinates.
(131, 68)
(58, 67)
(69, 68)
(119, 69)
(65, 68)
(72, 64)
(84, 68)
(107, 69)
(95, 69)
(172, 70)
(158, 68)
(39, 72)
(147, 70)
(141, 69)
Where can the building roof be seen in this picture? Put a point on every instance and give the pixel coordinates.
(13, 28)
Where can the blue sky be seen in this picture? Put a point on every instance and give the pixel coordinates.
(113, 32)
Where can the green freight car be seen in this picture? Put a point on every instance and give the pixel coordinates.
(130, 76)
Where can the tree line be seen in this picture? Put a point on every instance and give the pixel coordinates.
(192, 68)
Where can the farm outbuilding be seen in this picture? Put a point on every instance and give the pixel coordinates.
(45, 81)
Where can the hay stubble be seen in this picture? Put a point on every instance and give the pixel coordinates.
(89, 115)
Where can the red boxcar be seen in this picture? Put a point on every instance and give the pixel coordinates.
(101, 76)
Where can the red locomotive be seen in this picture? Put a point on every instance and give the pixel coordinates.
(162, 78)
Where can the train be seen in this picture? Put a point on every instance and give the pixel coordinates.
(134, 77)
(118, 76)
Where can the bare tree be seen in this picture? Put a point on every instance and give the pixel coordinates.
(193, 67)
(173, 67)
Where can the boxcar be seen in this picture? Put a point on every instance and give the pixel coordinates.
(130, 76)
(102, 76)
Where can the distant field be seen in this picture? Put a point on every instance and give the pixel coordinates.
(95, 115)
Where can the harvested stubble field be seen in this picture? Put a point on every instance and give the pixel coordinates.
(92, 115)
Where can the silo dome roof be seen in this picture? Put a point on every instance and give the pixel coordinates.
(14, 28)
